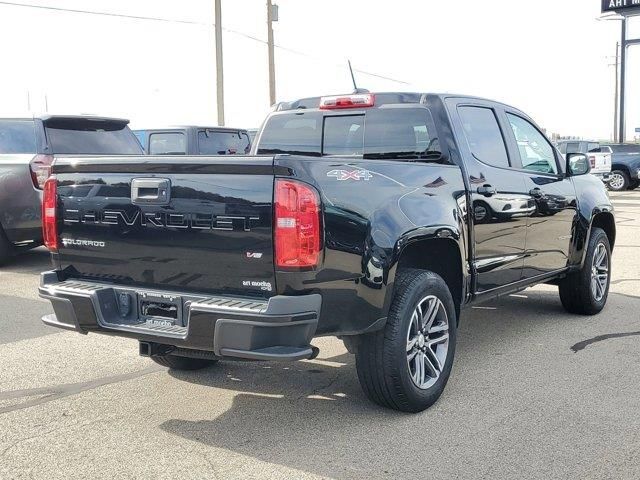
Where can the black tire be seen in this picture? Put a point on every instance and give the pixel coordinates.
(576, 292)
(182, 363)
(634, 184)
(6, 249)
(382, 361)
(482, 212)
(621, 183)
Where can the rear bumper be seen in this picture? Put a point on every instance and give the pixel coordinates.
(280, 328)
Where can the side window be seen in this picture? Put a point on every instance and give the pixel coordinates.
(563, 148)
(484, 135)
(17, 137)
(167, 144)
(536, 152)
(573, 147)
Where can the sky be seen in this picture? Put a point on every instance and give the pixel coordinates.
(550, 58)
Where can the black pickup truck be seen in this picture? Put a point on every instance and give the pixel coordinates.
(373, 218)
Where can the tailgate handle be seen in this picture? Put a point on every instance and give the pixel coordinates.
(150, 191)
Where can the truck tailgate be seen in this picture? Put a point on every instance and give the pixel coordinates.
(201, 224)
(600, 162)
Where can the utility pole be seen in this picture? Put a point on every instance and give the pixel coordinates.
(219, 64)
(272, 16)
(623, 81)
(616, 97)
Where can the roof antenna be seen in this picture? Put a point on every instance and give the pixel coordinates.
(353, 79)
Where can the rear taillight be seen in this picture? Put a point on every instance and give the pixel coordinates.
(297, 229)
(40, 169)
(592, 161)
(49, 214)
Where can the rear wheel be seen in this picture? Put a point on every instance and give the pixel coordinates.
(406, 365)
(5, 248)
(619, 181)
(182, 363)
(586, 291)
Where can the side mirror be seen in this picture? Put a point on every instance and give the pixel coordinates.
(578, 164)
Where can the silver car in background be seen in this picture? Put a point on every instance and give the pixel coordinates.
(28, 146)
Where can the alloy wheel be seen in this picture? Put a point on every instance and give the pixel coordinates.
(600, 272)
(427, 342)
(616, 182)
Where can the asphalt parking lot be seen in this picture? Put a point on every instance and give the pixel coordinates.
(535, 393)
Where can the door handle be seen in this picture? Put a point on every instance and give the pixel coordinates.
(150, 191)
(536, 193)
(487, 190)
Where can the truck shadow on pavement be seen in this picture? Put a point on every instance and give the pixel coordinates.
(313, 417)
(28, 261)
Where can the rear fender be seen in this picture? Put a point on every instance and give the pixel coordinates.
(439, 249)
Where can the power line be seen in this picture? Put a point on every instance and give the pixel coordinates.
(188, 22)
(105, 14)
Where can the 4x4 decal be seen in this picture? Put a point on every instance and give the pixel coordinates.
(343, 175)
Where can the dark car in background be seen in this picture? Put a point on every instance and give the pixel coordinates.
(193, 140)
(625, 165)
(28, 146)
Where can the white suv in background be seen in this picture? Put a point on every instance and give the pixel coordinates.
(600, 162)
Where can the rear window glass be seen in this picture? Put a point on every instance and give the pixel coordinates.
(384, 133)
(593, 147)
(211, 142)
(17, 136)
(167, 144)
(344, 135)
(293, 133)
(91, 138)
(573, 147)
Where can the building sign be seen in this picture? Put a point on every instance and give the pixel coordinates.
(621, 6)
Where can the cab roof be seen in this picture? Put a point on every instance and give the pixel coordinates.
(382, 98)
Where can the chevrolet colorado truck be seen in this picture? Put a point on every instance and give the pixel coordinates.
(28, 146)
(376, 218)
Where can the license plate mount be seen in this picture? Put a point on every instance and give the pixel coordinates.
(160, 309)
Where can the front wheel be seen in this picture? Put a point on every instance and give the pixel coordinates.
(406, 365)
(586, 291)
(619, 181)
